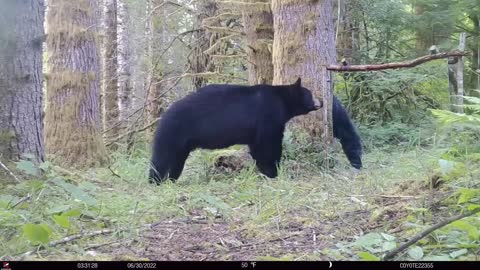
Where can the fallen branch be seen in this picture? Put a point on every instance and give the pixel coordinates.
(83, 235)
(423, 234)
(66, 240)
(113, 172)
(105, 244)
(395, 65)
(10, 172)
(388, 196)
(26, 198)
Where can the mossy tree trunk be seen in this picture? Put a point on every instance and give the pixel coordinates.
(155, 39)
(423, 34)
(304, 42)
(432, 26)
(110, 70)
(124, 62)
(21, 38)
(348, 32)
(474, 77)
(72, 120)
(258, 27)
(200, 61)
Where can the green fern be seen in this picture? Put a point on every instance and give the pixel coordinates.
(472, 119)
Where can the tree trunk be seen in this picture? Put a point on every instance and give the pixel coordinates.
(110, 70)
(461, 47)
(124, 63)
(21, 38)
(348, 32)
(452, 82)
(258, 26)
(156, 32)
(423, 35)
(474, 78)
(73, 87)
(304, 43)
(200, 61)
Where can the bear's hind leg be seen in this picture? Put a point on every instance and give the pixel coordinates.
(178, 164)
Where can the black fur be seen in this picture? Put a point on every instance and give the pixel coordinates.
(218, 116)
(344, 130)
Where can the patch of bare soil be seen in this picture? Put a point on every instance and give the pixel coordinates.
(199, 240)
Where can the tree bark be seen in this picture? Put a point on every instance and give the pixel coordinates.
(461, 47)
(21, 39)
(304, 43)
(423, 35)
(124, 63)
(258, 27)
(73, 87)
(431, 30)
(348, 31)
(156, 39)
(110, 70)
(199, 60)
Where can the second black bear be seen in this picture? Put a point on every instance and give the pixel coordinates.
(218, 116)
(344, 130)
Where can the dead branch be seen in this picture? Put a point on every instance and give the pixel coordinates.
(176, 4)
(66, 240)
(26, 198)
(178, 37)
(395, 65)
(230, 56)
(113, 172)
(74, 237)
(423, 234)
(207, 74)
(388, 196)
(220, 17)
(217, 43)
(10, 172)
(151, 124)
(223, 30)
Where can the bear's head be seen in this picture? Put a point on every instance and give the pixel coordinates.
(301, 100)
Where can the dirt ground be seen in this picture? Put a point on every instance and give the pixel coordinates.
(199, 240)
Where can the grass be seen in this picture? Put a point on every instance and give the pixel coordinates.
(304, 214)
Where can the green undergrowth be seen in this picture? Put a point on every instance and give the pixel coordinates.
(35, 213)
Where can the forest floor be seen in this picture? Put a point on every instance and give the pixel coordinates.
(304, 214)
(315, 217)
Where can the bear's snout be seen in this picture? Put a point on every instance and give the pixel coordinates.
(317, 104)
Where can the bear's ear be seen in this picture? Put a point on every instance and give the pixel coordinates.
(298, 83)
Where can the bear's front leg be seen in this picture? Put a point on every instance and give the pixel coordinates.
(267, 155)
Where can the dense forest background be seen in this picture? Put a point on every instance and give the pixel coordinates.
(83, 84)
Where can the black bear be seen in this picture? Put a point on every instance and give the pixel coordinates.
(344, 130)
(218, 116)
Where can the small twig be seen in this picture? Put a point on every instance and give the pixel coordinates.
(423, 234)
(113, 172)
(78, 236)
(171, 235)
(102, 245)
(151, 124)
(21, 201)
(178, 37)
(388, 196)
(10, 172)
